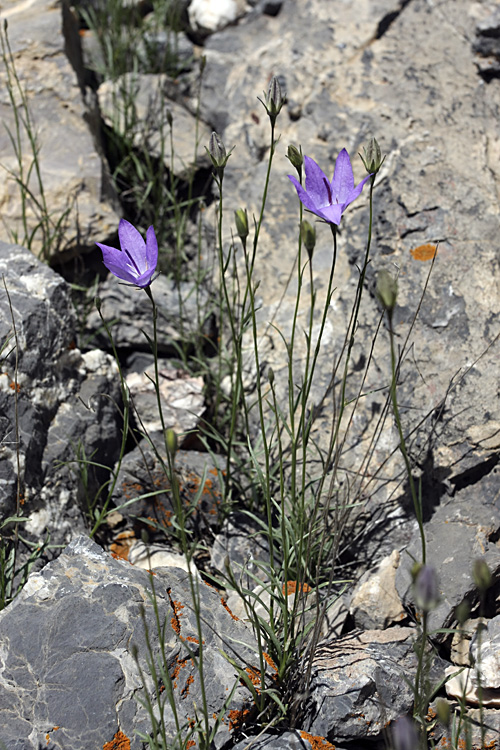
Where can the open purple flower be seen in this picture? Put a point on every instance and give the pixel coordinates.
(136, 261)
(326, 199)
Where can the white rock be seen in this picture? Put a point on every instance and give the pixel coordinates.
(212, 15)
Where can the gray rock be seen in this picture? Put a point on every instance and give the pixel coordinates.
(485, 651)
(341, 79)
(74, 177)
(459, 532)
(295, 740)
(375, 602)
(142, 473)
(361, 681)
(61, 410)
(129, 314)
(487, 45)
(242, 541)
(181, 397)
(137, 103)
(68, 679)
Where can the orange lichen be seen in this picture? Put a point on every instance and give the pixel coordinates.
(175, 621)
(254, 677)
(269, 661)
(179, 664)
(131, 487)
(15, 386)
(119, 742)
(190, 743)
(317, 743)
(424, 252)
(224, 604)
(122, 544)
(237, 718)
(185, 689)
(291, 588)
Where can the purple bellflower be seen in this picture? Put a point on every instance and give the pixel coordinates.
(136, 261)
(326, 199)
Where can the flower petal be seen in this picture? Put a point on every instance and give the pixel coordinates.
(355, 192)
(306, 199)
(343, 178)
(132, 243)
(151, 250)
(332, 214)
(117, 262)
(317, 184)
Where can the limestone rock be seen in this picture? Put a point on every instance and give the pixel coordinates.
(339, 76)
(459, 532)
(207, 16)
(69, 679)
(375, 602)
(62, 412)
(181, 398)
(185, 315)
(142, 488)
(136, 103)
(361, 681)
(485, 651)
(76, 190)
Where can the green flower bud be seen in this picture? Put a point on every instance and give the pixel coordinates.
(443, 711)
(241, 221)
(295, 157)
(308, 234)
(270, 376)
(97, 303)
(274, 99)
(217, 150)
(171, 441)
(387, 290)
(217, 153)
(482, 575)
(462, 612)
(372, 157)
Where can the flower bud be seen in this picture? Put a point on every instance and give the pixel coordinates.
(482, 575)
(426, 588)
(372, 157)
(217, 153)
(270, 376)
(387, 290)
(295, 157)
(443, 711)
(217, 150)
(308, 234)
(97, 303)
(171, 442)
(462, 612)
(241, 221)
(274, 99)
(404, 734)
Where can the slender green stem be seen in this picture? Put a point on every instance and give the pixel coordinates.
(402, 443)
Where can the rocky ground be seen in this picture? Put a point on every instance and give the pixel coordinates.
(423, 77)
